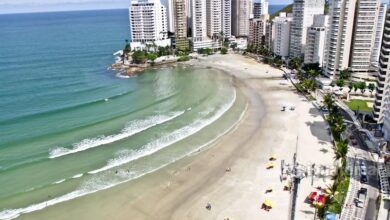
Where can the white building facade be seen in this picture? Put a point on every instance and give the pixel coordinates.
(200, 38)
(381, 108)
(226, 18)
(380, 23)
(281, 34)
(148, 23)
(303, 13)
(339, 36)
(364, 35)
(170, 14)
(260, 8)
(241, 10)
(315, 40)
(214, 18)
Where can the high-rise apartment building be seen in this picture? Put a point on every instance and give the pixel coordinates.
(170, 14)
(303, 13)
(339, 36)
(380, 23)
(200, 38)
(214, 18)
(281, 34)
(364, 35)
(315, 40)
(148, 22)
(180, 24)
(240, 17)
(260, 8)
(381, 108)
(226, 18)
(352, 35)
(257, 31)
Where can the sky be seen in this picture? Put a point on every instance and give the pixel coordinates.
(22, 6)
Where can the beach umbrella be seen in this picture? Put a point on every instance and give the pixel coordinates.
(270, 165)
(268, 203)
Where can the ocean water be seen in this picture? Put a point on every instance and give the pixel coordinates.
(69, 126)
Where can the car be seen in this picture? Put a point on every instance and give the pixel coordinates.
(363, 166)
(362, 190)
(359, 201)
(363, 178)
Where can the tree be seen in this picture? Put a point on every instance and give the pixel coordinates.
(313, 73)
(362, 86)
(350, 86)
(223, 50)
(340, 83)
(139, 56)
(355, 87)
(344, 74)
(152, 56)
(328, 101)
(234, 46)
(341, 151)
(371, 87)
(127, 48)
(295, 62)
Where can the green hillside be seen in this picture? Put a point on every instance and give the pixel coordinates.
(287, 9)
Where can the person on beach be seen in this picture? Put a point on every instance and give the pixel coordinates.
(208, 206)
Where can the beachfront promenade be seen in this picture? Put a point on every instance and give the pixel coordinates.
(182, 190)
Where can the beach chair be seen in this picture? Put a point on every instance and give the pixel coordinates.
(312, 197)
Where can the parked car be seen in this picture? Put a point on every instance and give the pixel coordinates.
(363, 190)
(361, 197)
(363, 178)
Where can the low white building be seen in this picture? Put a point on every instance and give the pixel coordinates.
(281, 34)
(315, 40)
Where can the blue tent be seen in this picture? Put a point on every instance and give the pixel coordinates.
(330, 216)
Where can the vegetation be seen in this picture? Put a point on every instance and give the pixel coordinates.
(344, 74)
(287, 9)
(183, 59)
(275, 61)
(295, 63)
(358, 104)
(152, 56)
(339, 189)
(127, 48)
(371, 87)
(224, 50)
(339, 192)
(206, 51)
(139, 56)
(340, 83)
(233, 46)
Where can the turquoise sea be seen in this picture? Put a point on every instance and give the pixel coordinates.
(69, 126)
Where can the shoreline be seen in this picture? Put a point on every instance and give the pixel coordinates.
(184, 187)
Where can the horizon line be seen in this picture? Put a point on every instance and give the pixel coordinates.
(76, 10)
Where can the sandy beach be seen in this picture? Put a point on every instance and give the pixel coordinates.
(182, 189)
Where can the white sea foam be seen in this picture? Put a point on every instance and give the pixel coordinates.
(132, 128)
(77, 176)
(60, 181)
(96, 184)
(161, 143)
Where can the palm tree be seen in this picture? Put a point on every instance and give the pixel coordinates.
(328, 100)
(341, 151)
(312, 73)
